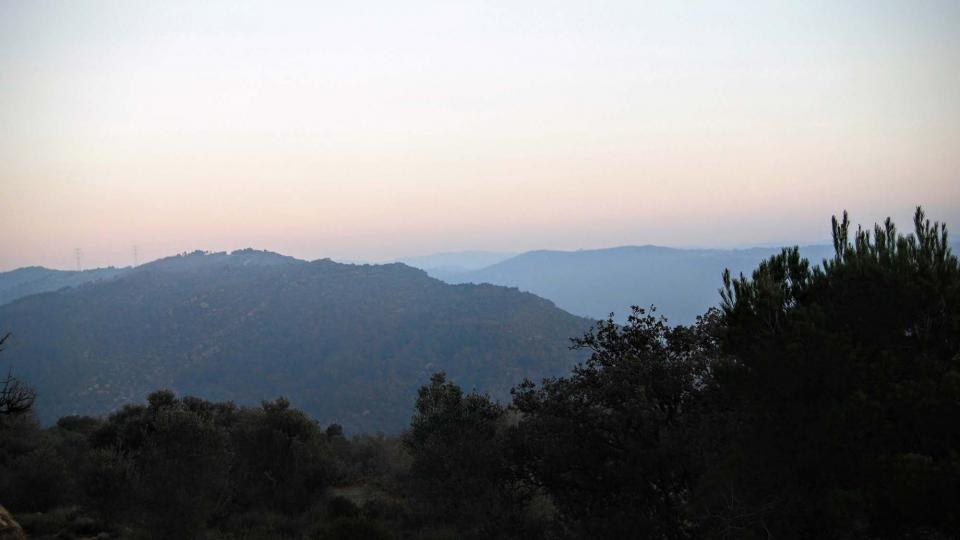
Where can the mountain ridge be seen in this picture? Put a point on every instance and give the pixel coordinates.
(351, 343)
(681, 283)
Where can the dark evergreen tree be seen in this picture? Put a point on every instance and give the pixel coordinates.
(845, 389)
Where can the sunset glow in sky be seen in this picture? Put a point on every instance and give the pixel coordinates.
(373, 130)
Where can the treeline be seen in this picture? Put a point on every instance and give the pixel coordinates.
(814, 402)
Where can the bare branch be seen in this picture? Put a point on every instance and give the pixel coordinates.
(16, 397)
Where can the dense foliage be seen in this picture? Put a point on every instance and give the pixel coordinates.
(461, 469)
(816, 402)
(184, 468)
(615, 443)
(845, 384)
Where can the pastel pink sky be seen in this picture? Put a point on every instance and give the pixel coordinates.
(374, 130)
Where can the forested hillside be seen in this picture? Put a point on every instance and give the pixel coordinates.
(348, 343)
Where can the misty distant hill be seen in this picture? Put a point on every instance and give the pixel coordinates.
(681, 283)
(35, 279)
(439, 264)
(348, 343)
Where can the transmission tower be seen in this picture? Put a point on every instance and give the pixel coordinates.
(136, 257)
(76, 256)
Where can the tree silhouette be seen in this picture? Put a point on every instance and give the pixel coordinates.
(16, 397)
(845, 387)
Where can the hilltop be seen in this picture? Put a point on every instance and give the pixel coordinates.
(351, 343)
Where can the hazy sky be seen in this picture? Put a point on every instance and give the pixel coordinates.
(371, 130)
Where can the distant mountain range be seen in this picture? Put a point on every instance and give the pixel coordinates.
(348, 343)
(456, 262)
(36, 279)
(681, 283)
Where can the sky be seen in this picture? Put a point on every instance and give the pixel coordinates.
(375, 130)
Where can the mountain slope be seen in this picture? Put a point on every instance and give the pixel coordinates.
(36, 279)
(349, 344)
(681, 283)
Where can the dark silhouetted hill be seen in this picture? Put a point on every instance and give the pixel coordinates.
(349, 343)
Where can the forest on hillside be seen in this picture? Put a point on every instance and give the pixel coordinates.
(349, 344)
(812, 402)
